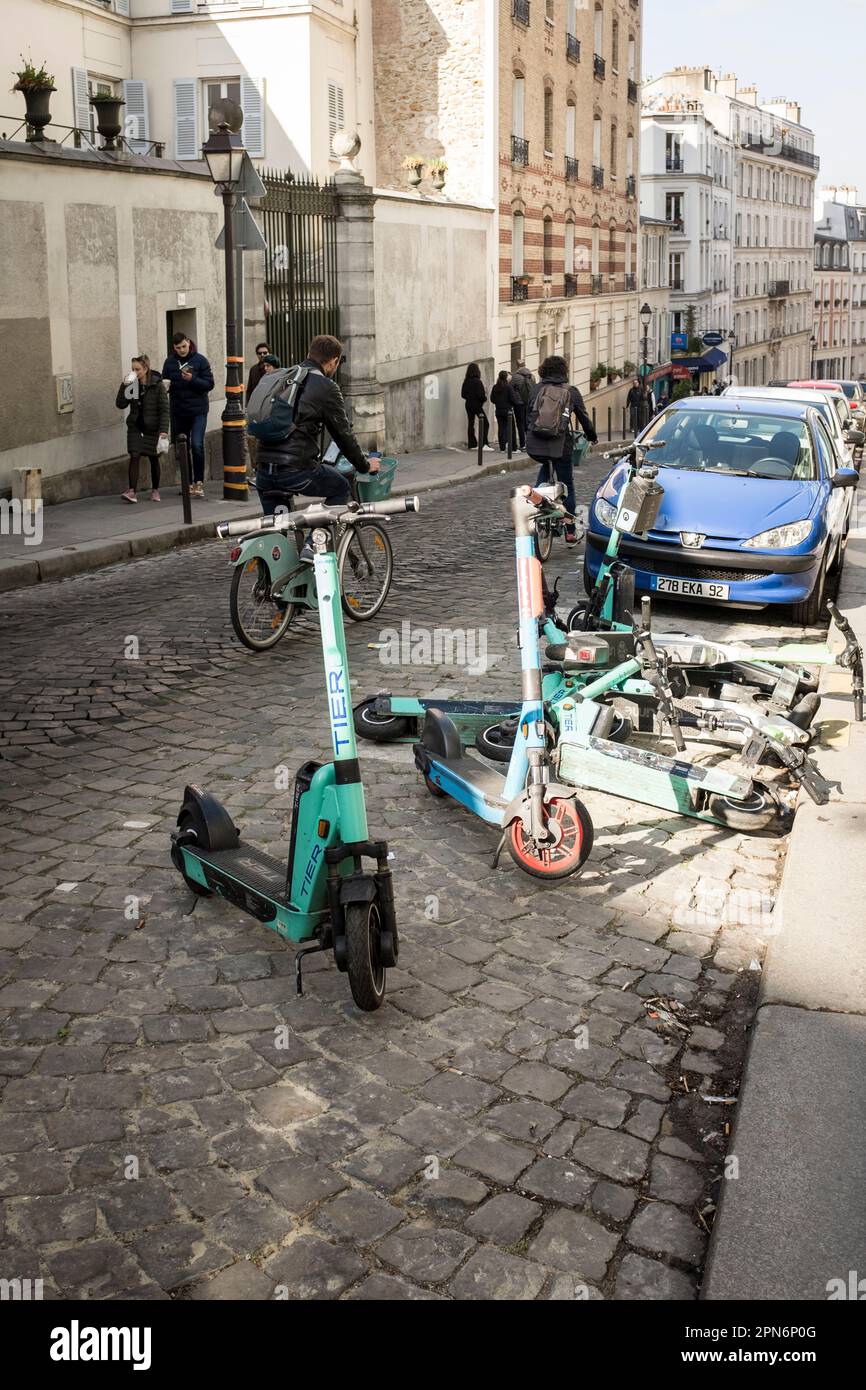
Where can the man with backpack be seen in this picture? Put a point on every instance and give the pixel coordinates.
(549, 431)
(522, 381)
(287, 413)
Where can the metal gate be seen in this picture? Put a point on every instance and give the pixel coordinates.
(300, 227)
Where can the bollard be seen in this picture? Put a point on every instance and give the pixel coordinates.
(509, 446)
(609, 424)
(182, 450)
(479, 428)
(594, 421)
(623, 424)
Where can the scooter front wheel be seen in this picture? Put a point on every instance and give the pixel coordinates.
(572, 827)
(363, 958)
(379, 728)
(757, 812)
(258, 620)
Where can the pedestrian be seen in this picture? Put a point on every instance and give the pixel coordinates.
(647, 405)
(190, 379)
(475, 396)
(550, 433)
(269, 364)
(255, 376)
(500, 398)
(146, 424)
(664, 399)
(633, 404)
(523, 382)
(294, 466)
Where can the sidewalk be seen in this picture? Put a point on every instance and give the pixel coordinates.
(96, 531)
(795, 1218)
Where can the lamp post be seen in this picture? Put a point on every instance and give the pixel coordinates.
(732, 342)
(813, 343)
(646, 314)
(224, 160)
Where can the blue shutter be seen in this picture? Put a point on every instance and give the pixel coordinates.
(186, 141)
(136, 114)
(253, 106)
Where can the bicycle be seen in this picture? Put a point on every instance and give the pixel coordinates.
(548, 528)
(271, 584)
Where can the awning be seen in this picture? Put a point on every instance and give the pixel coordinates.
(709, 362)
(658, 372)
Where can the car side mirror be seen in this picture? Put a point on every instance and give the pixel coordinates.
(855, 437)
(845, 477)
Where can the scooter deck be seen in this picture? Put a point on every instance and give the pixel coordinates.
(642, 775)
(468, 781)
(253, 867)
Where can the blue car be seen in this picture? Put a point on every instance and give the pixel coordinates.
(756, 507)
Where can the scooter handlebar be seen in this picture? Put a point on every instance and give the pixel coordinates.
(317, 515)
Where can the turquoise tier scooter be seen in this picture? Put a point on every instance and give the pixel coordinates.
(323, 895)
(548, 832)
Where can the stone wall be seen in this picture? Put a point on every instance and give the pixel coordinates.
(428, 68)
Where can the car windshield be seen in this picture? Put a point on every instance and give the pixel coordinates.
(743, 442)
(849, 388)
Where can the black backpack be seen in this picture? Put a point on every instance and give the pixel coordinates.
(551, 411)
(271, 407)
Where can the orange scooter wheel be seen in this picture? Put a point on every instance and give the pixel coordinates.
(573, 836)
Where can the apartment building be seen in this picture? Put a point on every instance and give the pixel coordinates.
(655, 290)
(774, 168)
(839, 325)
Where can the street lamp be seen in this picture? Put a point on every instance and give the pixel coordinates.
(646, 314)
(225, 158)
(732, 342)
(813, 343)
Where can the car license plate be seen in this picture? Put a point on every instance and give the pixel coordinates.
(691, 588)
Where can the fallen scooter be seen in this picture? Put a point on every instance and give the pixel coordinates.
(547, 831)
(322, 895)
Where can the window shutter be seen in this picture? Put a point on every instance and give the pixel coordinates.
(121, 6)
(181, 6)
(136, 115)
(335, 110)
(253, 106)
(81, 103)
(186, 142)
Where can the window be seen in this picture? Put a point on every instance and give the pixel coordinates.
(596, 140)
(632, 59)
(517, 243)
(548, 120)
(613, 141)
(517, 105)
(335, 110)
(219, 91)
(548, 247)
(629, 154)
(550, 10)
(569, 248)
(596, 237)
(570, 128)
(598, 31)
(673, 207)
(614, 46)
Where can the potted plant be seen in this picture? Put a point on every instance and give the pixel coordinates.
(37, 86)
(413, 164)
(438, 169)
(629, 369)
(596, 375)
(612, 375)
(108, 123)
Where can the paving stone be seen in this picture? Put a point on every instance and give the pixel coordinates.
(677, 1149)
(30, 1174)
(74, 1129)
(282, 1105)
(613, 1201)
(426, 1253)
(665, 1230)
(685, 966)
(298, 1184)
(565, 1288)
(329, 1137)
(359, 1217)
(400, 1069)
(450, 1195)
(604, 1105)
(646, 1120)
(133, 1205)
(433, 1130)
(94, 1269)
(501, 996)
(537, 1080)
(19, 1133)
(574, 1243)
(639, 1077)
(639, 1279)
(387, 1164)
(647, 1045)
(178, 1149)
(206, 1191)
(616, 1155)
(313, 1269)
(710, 1039)
(557, 1180)
(463, 1095)
(48, 1220)
(240, 1282)
(488, 1063)
(675, 1181)
(386, 1288)
(161, 1028)
(561, 1018)
(522, 1119)
(189, 1084)
(505, 1219)
(702, 1062)
(494, 1158)
(492, 1274)
(592, 1061)
(249, 1225)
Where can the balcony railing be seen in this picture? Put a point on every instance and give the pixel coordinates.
(572, 48)
(631, 186)
(571, 168)
(570, 286)
(520, 11)
(678, 226)
(632, 89)
(677, 283)
(519, 289)
(779, 289)
(783, 150)
(598, 65)
(630, 283)
(81, 138)
(674, 164)
(595, 284)
(597, 176)
(519, 150)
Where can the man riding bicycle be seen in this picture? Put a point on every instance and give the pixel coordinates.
(549, 431)
(294, 464)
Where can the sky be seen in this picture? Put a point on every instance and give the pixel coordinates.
(809, 52)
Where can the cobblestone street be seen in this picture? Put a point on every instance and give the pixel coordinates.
(524, 1117)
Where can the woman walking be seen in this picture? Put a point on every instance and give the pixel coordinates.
(501, 400)
(475, 396)
(147, 423)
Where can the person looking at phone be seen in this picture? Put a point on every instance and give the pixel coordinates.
(142, 393)
(190, 379)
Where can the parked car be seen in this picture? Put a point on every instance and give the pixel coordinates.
(832, 404)
(756, 506)
(837, 389)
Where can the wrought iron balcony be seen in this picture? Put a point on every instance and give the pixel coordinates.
(674, 164)
(630, 283)
(597, 176)
(632, 89)
(631, 186)
(520, 11)
(779, 289)
(571, 168)
(783, 150)
(519, 288)
(572, 48)
(677, 283)
(570, 285)
(595, 284)
(519, 150)
(599, 66)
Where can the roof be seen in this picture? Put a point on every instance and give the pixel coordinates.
(730, 405)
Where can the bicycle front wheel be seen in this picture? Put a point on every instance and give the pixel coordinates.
(543, 538)
(365, 563)
(258, 620)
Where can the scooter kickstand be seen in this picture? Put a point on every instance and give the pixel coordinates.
(299, 956)
(499, 848)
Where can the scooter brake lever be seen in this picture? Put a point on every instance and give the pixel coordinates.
(810, 779)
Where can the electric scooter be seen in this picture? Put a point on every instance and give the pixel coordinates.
(548, 832)
(323, 893)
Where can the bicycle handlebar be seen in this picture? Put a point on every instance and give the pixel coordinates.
(632, 448)
(317, 515)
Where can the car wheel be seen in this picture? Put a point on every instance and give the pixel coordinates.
(808, 611)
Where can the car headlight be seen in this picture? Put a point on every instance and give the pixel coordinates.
(605, 512)
(780, 537)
